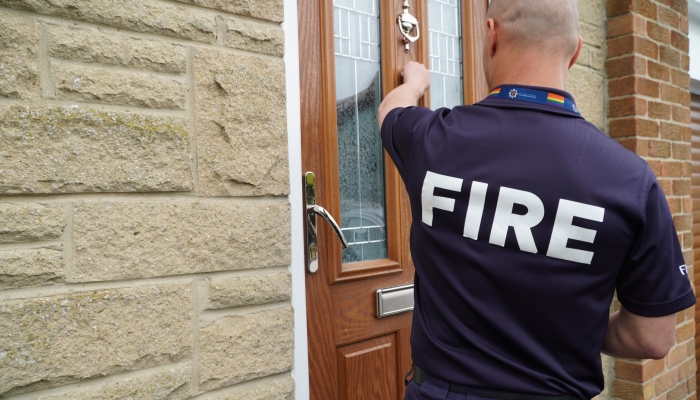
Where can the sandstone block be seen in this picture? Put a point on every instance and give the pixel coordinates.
(254, 36)
(148, 16)
(272, 10)
(19, 57)
(75, 83)
(592, 12)
(250, 290)
(52, 341)
(593, 35)
(171, 385)
(116, 240)
(26, 222)
(241, 348)
(94, 46)
(280, 389)
(34, 267)
(241, 125)
(588, 88)
(71, 149)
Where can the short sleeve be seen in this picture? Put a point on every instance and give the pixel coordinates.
(654, 280)
(398, 131)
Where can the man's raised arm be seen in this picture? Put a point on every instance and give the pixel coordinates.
(416, 80)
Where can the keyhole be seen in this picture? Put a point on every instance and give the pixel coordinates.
(313, 251)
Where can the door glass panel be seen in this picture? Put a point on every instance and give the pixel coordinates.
(360, 154)
(445, 28)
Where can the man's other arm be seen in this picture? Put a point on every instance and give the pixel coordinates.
(416, 80)
(633, 336)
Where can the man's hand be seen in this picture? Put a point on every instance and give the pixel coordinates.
(416, 81)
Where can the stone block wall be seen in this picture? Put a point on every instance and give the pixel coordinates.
(144, 220)
(649, 113)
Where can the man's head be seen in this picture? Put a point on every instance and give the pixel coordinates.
(531, 29)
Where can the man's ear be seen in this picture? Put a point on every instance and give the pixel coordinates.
(578, 51)
(492, 37)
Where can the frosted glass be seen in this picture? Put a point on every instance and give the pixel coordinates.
(446, 83)
(360, 154)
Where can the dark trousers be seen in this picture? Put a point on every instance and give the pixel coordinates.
(436, 389)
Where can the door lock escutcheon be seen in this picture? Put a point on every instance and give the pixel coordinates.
(312, 210)
(406, 24)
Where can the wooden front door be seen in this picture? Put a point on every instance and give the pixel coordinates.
(351, 54)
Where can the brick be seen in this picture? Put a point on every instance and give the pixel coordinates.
(688, 208)
(683, 222)
(671, 131)
(170, 384)
(666, 185)
(681, 187)
(231, 90)
(692, 385)
(626, 24)
(680, 114)
(254, 36)
(680, 41)
(685, 62)
(670, 93)
(633, 85)
(659, 71)
(655, 166)
(627, 106)
(639, 147)
(279, 389)
(665, 381)
(680, 6)
(685, 97)
(585, 85)
(681, 79)
(674, 204)
(94, 46)
(76, 149)
(689, 257)
(670, 56)
(683, 24)
(74, 83)
(678, 393)
(681, 151)
(675, 356)
(629, 65)
(643, 7)
(672, 169)
(685, 331)
(627, 390)
(146, 16)
(636, 371)
(272, 10)
(632, 44)
(658, 32)
(90, 334)
(240, 348)
(659, 110)
(35, 267)
(249, 290)
(30, 222)
(125, 240)
(669, 17)
(686, 369)
(19, 57)
(633, 127)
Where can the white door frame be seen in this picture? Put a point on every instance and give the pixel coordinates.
(300, 371)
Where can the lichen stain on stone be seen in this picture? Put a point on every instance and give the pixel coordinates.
(52, 117)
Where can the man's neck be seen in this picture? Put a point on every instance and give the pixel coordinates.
(529, 69)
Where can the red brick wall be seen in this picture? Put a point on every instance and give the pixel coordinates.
(649, 113)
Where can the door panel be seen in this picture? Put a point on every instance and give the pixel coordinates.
(695, 126)
(351, 52)
(377, 358)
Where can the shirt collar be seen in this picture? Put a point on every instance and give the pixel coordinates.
(507, 103)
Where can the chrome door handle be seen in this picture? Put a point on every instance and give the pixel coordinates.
(323, 213)
(312, 210)
(406, 24)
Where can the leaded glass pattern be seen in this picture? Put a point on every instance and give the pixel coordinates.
(360, 154)
(444, 28)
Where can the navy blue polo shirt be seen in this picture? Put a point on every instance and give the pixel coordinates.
(526, 219)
